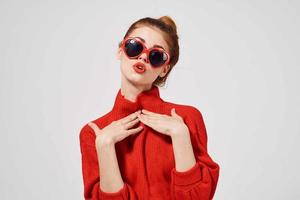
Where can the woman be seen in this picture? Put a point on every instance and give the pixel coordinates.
(145, 147)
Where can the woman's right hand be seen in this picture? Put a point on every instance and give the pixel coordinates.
(116, 130)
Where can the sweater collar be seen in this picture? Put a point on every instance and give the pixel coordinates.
(147, 99)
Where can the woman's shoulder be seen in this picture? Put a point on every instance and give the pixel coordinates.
(87, 133)
(191, 110)
(191, 114)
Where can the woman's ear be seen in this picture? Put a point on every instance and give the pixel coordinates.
(118, 54)
(119, 51)
(165, 70)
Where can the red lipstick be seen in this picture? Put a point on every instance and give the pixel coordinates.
(139, 67)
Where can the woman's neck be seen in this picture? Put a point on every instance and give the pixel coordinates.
(130, 91)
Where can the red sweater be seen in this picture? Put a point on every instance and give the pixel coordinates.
(146, 159)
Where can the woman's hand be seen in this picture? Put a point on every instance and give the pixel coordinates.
(116, 130)
(169, 125)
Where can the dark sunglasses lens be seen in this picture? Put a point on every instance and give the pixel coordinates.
(133, 47)
(157, 58)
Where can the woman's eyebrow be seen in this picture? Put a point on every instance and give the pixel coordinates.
(156, 45)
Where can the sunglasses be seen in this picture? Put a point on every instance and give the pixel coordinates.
(134, 47)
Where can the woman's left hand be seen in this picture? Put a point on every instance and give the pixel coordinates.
(165, 124)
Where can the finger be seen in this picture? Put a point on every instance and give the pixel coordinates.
(150, 117)
(130, 124)
(153, 114)
(94, 127)
(134, 130)
(174, 113)
(148, 120)
(130, 117)
(150, 113)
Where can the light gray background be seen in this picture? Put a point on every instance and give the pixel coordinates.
(239, 65)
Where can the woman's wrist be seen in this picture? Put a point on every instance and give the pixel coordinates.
(103, 141)
(183, 132)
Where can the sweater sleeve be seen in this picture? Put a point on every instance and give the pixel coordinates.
(90, 171)
(200, 181)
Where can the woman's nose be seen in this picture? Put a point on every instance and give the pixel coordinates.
(143, 56)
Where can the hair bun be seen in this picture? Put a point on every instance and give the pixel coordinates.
(169, 22)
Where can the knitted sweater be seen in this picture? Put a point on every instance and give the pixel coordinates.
(146, 159)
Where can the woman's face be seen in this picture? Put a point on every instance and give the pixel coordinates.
(152, 36)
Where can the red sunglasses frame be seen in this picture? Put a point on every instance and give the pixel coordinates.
(145, 50)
